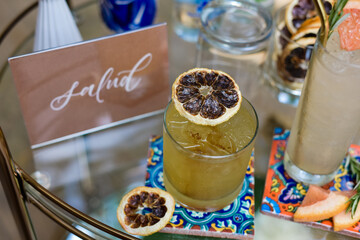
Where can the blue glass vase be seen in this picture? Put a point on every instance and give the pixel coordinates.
(125, 15)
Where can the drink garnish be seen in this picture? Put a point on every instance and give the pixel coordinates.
(355, 173)
(345, 220)
(206, 96)
(161, 207)
(337, 15)
(296, 40)
(320, 204)
(349, 29)
(329, 24)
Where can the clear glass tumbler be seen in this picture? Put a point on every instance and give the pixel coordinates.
(205, 166)
(233, 38)
(328, 116)
(287, 60)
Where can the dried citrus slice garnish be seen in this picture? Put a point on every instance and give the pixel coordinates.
(310, 23)
(307, 32)
(205, 96)
(161, 204)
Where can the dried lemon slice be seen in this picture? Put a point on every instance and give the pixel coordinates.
(205, 96)
(162, 206)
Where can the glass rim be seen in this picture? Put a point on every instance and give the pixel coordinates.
(215, 156)
(238, 4)
(334, 57)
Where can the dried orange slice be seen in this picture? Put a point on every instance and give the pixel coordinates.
(313, 22)
(320, 204)
(298, 11)
(162, 206)
(305, 32)
(205, 96)
(349, 30)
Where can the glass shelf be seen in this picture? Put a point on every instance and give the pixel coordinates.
(92, 172)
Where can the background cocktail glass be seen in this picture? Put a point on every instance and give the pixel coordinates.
(204, 166)
(328, 115)
(287, 61)
(233, 37)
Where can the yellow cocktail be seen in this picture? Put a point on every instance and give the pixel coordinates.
(204, 166)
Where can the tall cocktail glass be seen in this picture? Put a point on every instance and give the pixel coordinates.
(205, 166)
(328, 115)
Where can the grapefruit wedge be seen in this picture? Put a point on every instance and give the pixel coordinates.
(349, 30)
(320, 204)
(344, 220)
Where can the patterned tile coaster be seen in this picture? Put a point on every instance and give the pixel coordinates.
(235, 221)
(282, 195)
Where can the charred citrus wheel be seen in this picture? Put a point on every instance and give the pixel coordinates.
(310, 23)
(205, 96)
(308, 32)
(300, 10)
(293, 63)
(162, 206)
(320, 204)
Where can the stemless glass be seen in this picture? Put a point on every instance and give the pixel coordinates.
(328, 115)
(212, 180)
(233, 37)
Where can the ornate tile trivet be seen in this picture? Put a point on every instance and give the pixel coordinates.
(282, 195)
(235, 221)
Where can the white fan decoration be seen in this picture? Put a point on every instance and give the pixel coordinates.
(55, 25)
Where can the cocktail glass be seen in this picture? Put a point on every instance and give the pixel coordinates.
(205, 166)
(328, 116)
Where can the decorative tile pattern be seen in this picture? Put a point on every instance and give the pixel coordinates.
(282, 195)
(235, 221)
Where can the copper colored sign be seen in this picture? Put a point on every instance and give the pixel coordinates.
(92, 84)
